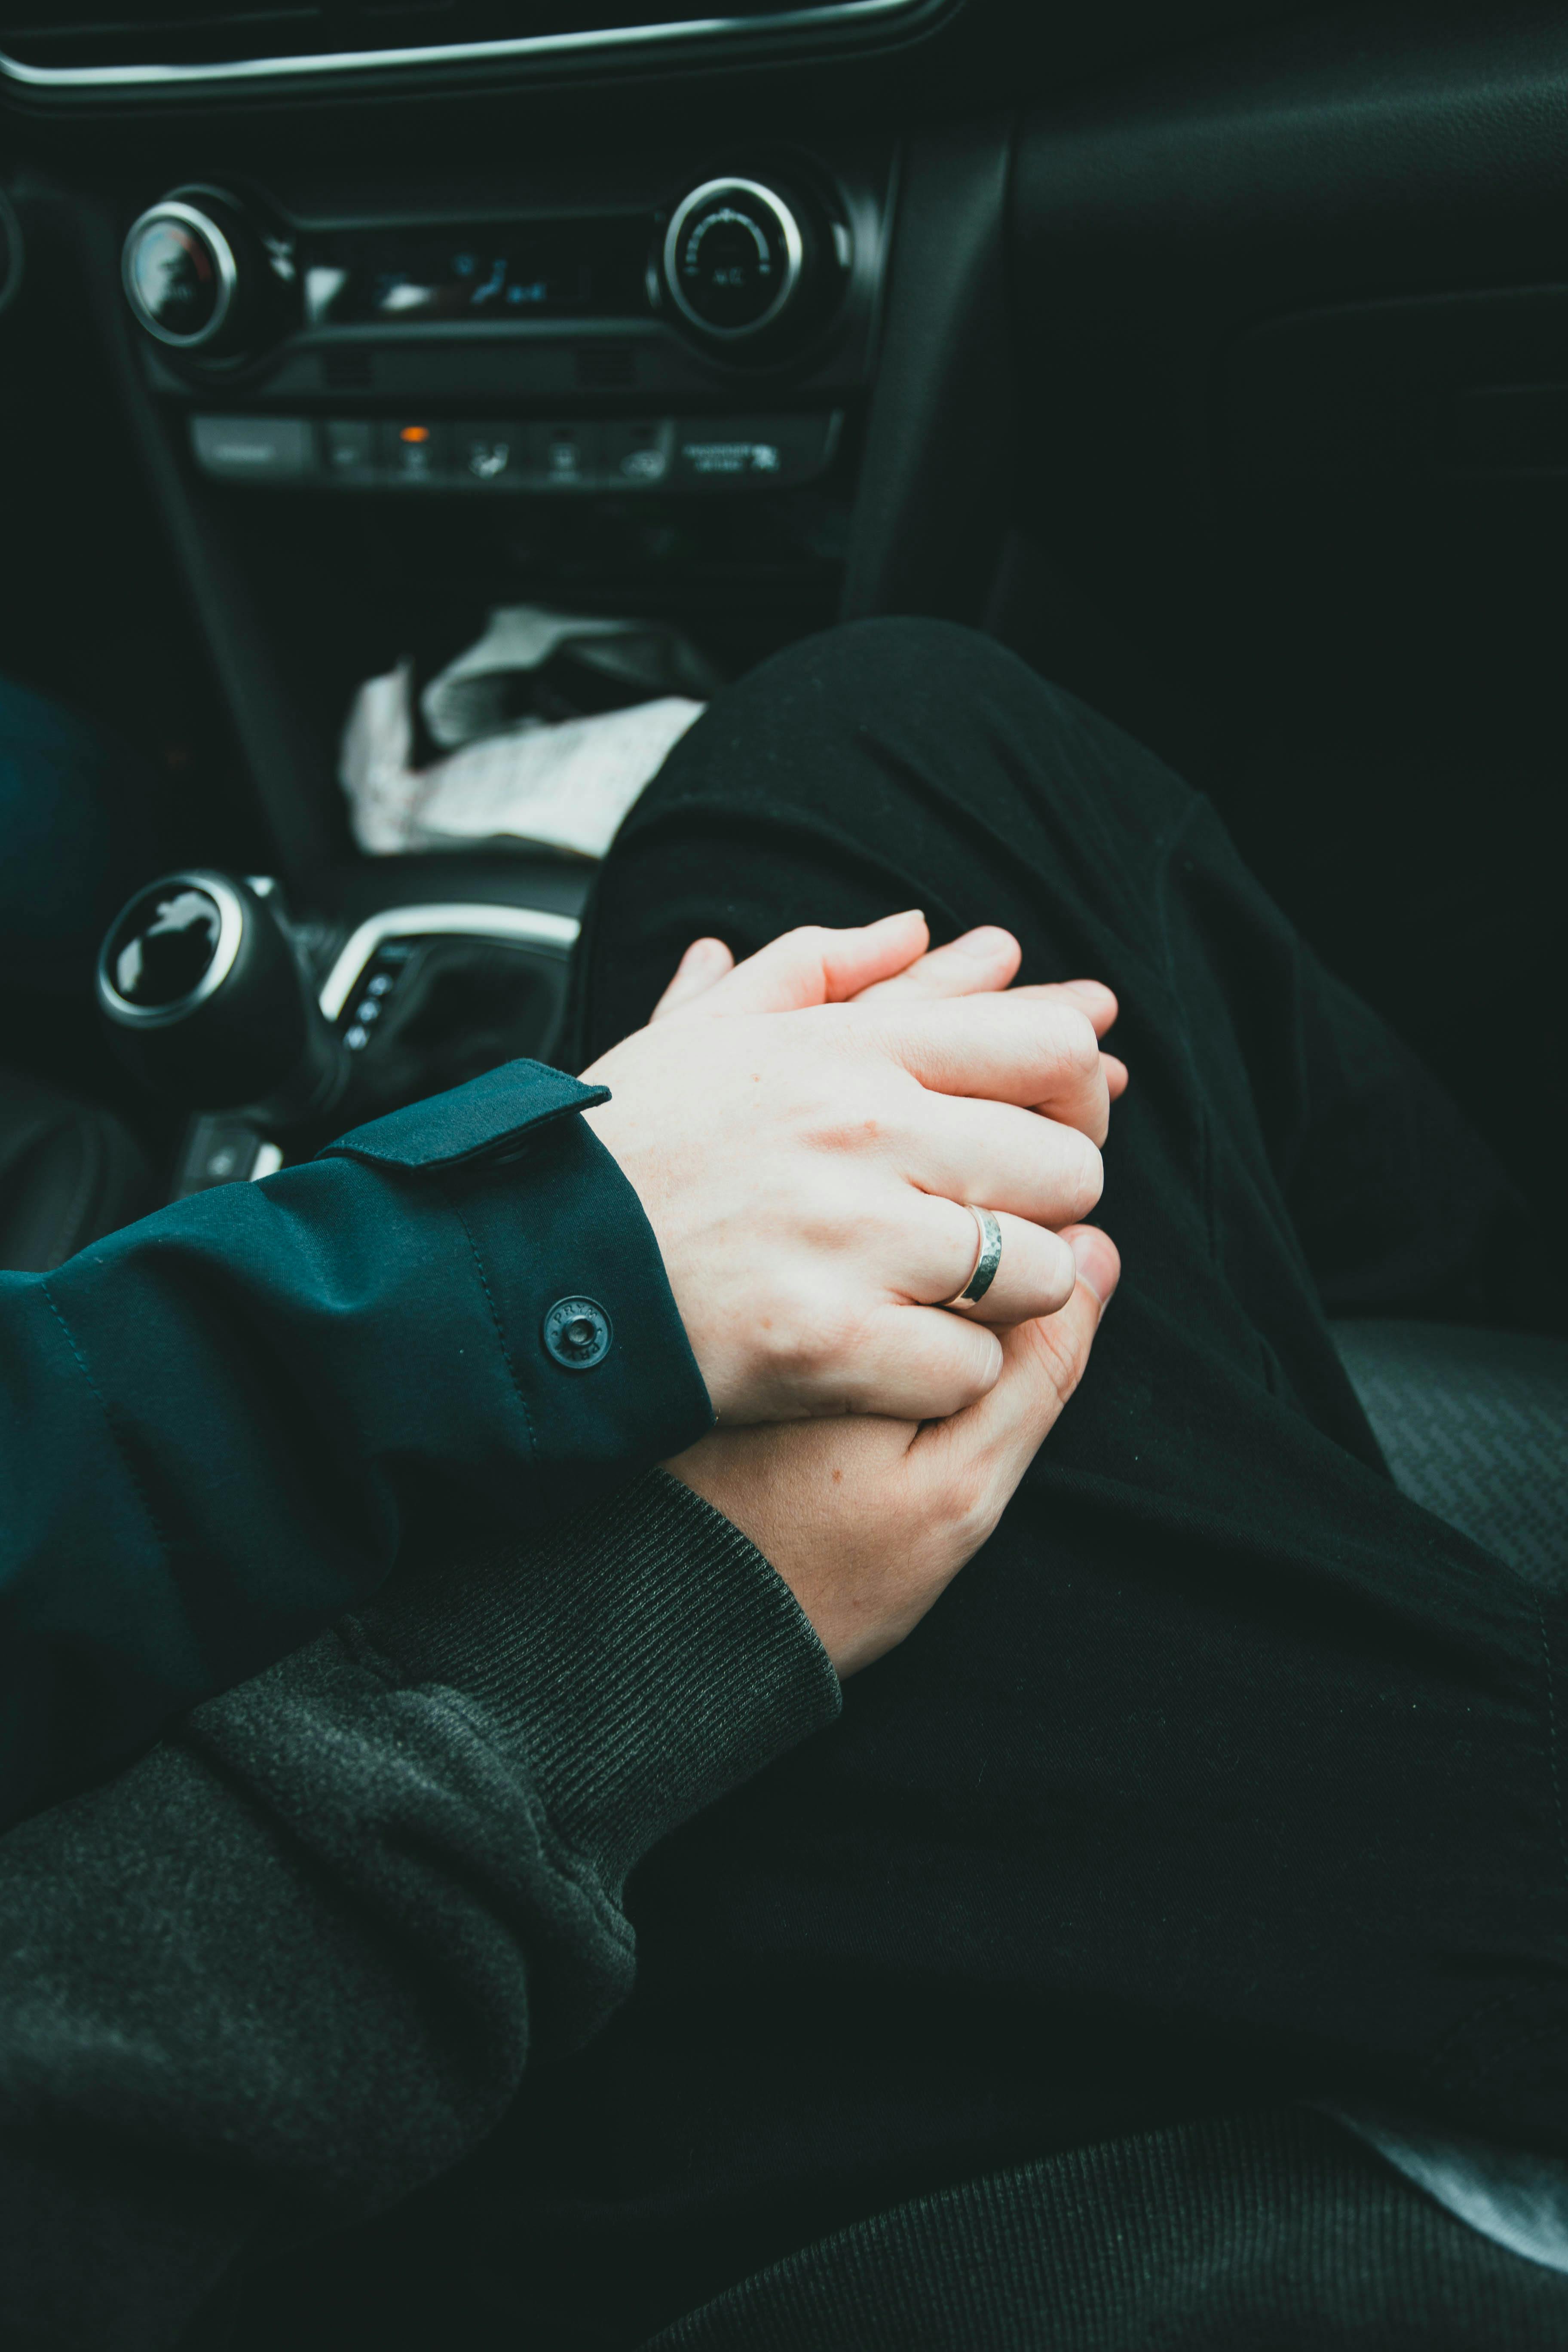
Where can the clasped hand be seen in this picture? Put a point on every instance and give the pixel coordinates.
(805, 1162)
(802, 1159)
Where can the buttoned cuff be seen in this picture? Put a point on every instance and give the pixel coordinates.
(566, 1266)
(481, 1120)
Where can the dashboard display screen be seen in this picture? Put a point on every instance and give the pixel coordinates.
(475, 274)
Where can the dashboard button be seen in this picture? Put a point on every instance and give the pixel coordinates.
(350, 448)
(412, 455)
(489, 456)
(562, 456)
(753, 452)
(637, 452)
(253, 448)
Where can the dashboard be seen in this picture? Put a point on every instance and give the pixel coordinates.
(705, 340)
(197, 49)
(1209, 355)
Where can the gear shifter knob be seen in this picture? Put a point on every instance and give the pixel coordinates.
(210, 1003)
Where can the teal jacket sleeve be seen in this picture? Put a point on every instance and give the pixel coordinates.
(220, 1427)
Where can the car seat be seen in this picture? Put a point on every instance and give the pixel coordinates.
(69, 1173)
(1474, 1425)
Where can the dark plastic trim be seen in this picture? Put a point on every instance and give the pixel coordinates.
(837, 21)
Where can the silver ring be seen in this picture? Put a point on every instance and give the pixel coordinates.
(986, 1262)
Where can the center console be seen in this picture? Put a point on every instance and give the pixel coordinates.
(377, 391)
(274, 1035)
(385, 408)
(701, 332)
(379, 403)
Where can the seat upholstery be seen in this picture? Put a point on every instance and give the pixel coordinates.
(69, 1173)
(1474, 1425)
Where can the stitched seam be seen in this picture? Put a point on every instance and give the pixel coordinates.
(127, 1464)
(1552, 1736)
(500, 1328)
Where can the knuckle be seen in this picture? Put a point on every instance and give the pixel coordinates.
(1078, 1178)
(833, 1349)
(796, 958)
(1075, 1048)
(838, 1137)
(1082, 1045)
(972, 1359)
(865, 1117)
(1088, 1177)
(972, 1509)
(1060, 1278)
(1060, 1353)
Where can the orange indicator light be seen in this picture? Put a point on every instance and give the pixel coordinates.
(415, 432)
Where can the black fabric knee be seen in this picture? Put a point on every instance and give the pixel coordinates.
(1223, 1774)
(913, 763)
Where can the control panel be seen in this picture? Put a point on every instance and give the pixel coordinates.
(705, 334)
(513, 454)
(743, 267)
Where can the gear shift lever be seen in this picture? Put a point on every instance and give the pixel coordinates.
(211, 1005)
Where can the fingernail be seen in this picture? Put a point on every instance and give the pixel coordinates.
(702, 954)
(985, 944)
(1098, 1266)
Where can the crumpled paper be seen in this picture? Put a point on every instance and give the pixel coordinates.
(564, 787)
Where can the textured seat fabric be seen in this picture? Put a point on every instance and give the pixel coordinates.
(69, 1173)
(1264, 2232)
(1474, 1425)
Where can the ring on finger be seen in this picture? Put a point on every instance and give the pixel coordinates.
(988, 1257)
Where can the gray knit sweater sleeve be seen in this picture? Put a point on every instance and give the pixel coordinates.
(293, 1963)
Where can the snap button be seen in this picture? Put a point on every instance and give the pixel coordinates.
(577, 1333)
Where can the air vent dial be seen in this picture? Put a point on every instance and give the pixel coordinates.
(737, 259)
(181, 276)
(201, 276)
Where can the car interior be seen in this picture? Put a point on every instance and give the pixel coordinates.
(1210, 354)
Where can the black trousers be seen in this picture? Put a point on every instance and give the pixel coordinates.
(1224, 1775)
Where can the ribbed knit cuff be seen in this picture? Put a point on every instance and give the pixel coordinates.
(640, 1659)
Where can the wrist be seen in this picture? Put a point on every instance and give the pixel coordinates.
(641, 1659)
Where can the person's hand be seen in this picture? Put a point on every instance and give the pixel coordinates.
(805, 1173)
(809, 967)
(869, 1520)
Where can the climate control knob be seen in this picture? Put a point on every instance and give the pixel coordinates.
(192, 274)
(737, 259)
